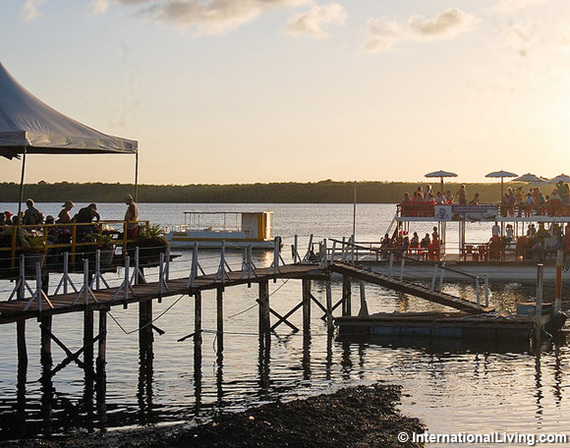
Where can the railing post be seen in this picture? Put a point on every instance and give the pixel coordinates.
(402, 264)
(540, 275)
(478, 292)
(486, 290)
(441, 276)
(296, 257)
(433, 279)
(390, 265)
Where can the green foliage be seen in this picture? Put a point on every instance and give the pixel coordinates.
(326, 191)
(152, 235)
(36, 245)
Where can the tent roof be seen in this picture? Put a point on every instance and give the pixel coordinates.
(27, 123)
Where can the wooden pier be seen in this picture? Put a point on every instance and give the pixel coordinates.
(33, 300)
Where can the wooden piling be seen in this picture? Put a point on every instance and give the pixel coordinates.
(101, 374)
(46, 379)
(329, 317)
(346, 295)
(306, 285)
(198, 350)
(220, 319)
(264, 320)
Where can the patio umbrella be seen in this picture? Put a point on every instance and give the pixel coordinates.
(441, 174)
(528, 177)
(561, 177)
(502, 174)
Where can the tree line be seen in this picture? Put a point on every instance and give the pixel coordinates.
(326, 191)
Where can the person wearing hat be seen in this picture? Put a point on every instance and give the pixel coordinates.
(65, 214)
(131, 217)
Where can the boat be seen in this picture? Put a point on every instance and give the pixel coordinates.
(235, 230)
(491, 239)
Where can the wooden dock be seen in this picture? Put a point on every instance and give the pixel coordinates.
(11, 311)
(414, 289)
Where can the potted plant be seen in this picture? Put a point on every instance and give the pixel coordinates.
(106, 246)
(35, 252)
(151, 242)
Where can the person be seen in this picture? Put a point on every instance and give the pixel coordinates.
(495, 230)
(8, 215)
(475, 200)
(32, 215)
(2, 219)
(425, 242)
(131, 217)
(449, 197)
(564, 192)
(415, 241)
(86, 215)
(509, 233)
(435, 236)
(462, 195)
(64, 216)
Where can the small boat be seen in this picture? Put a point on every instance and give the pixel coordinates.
(238, 230)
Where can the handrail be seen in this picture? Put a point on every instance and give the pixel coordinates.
(72, 236)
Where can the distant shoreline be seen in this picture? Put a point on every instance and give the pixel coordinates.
(324, 192)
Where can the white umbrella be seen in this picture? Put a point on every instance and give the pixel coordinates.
(502, 174)
(441, 174)
(528, 177)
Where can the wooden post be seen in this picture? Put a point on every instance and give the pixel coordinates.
(88, 393)
(220, 319)
(22, 376)
(101, 372)
(328, 292)
(264, 321)
(558, 289)
(306, 305)
(540, 274)
(363, 305)
(198, 350)
(346, 296)
(46, 361)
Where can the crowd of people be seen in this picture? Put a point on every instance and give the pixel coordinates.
(515, 202)
(401, 244)
(35, 223)
(534, 202)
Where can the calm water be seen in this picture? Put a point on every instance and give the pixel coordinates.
(450, 387)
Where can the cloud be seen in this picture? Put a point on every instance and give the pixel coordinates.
(386, 35)
(31, 9)
(511, 6)
(207, 16)
(311, 22)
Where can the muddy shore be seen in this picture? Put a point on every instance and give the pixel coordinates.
(361, 416)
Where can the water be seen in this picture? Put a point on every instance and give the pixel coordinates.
(450, 387)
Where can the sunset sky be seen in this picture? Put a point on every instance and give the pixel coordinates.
(245, 91)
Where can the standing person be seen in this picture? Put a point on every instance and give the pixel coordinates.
(462, 195)
(65, 214)
(131, 217)
(86, 215)
(32, 215)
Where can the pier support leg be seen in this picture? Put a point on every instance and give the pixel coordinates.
(306, 306)
(220, 320)
(146, 355)
(22, 376)
(346, 296)
(330, 320)
(363, 305)
(264, 322)
(198, 351)
(101, 363)
(46, 379)
(88, 394)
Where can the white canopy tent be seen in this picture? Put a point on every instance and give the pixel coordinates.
(29, 126)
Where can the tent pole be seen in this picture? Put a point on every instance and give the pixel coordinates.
(22, 181)
(137, 176)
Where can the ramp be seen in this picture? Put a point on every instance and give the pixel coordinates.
(407, 287)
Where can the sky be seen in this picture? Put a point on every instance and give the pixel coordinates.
(247, 91)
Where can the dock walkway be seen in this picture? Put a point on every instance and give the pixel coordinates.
(11, 311)
(407, 287)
